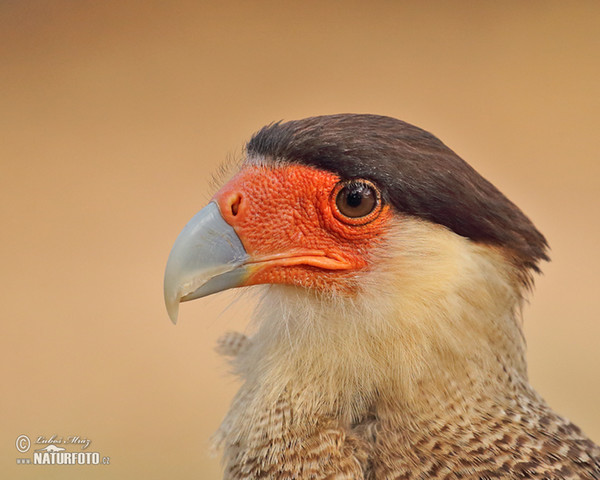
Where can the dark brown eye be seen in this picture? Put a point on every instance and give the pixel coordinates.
(357, 199)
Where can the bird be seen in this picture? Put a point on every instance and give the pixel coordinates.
(387, 338)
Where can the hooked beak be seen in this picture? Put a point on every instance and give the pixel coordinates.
(207, 257)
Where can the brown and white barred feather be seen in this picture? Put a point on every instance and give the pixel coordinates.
(281, 448)
(518, 438)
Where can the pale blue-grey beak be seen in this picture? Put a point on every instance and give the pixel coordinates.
(207, 257)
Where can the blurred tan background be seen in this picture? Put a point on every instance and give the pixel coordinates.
(114, 114)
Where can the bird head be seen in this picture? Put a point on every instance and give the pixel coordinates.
(319, 202)
(379, 244)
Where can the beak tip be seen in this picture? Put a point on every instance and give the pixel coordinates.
(172, 309)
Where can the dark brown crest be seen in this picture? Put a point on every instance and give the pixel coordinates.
(416, 172)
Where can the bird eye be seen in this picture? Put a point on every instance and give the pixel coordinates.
(357, 199)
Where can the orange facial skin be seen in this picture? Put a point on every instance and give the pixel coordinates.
(288, 222)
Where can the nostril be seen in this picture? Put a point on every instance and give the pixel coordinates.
(235, 205)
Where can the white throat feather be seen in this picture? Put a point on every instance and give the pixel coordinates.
(438, 307)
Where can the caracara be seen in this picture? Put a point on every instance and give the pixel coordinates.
(388, 342)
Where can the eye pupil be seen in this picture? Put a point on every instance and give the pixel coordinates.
(356, 199)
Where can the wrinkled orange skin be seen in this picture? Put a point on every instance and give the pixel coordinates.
(288, 222)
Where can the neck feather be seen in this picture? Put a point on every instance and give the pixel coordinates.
(440, 315)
